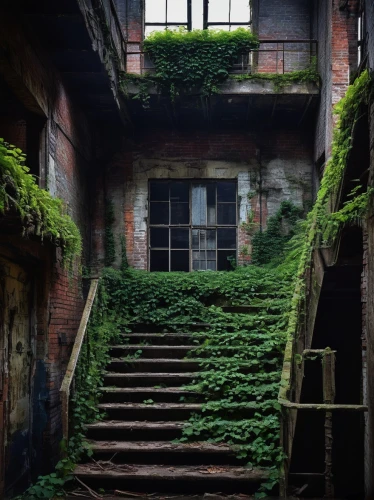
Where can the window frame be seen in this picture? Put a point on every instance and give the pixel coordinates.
(191, 227)
(206, 22)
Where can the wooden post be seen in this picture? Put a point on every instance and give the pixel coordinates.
(328, 373)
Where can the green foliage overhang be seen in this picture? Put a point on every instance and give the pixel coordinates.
(41, 214)
(198, 58)
(323, 224)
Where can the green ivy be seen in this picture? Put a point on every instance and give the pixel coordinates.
(270, 244)
(41, 214)
(186, 60)
(281, 80)
(323, 223)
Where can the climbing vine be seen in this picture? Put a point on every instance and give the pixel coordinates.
(40, 213)
(199, 58)
(240, 354)
(323, 224)
(270, 244)
(185, 60)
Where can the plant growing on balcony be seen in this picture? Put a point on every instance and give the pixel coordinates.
(196, 59)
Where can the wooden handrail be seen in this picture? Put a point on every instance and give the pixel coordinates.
(70, 370)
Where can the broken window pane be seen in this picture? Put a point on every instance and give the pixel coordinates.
(159, 260)
(198, 205)
(159, 213)
(171, 204)
(226, 238)
(226, 214)
(179, 238)
(159, 191)
(179, 260)
(159, 237)
(180, 213)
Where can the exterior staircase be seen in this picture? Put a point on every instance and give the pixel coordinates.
(135, 448)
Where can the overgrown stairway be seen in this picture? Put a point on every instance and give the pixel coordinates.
(135, 448)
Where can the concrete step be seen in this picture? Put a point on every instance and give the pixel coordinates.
(150, 351)
(140, 394)
(153, 365)
(151, 412)
(163, 452)
(147, 379)
(157, 338)
(135, 430)
(178, 479)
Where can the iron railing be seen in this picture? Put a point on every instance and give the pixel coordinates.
(272, 56)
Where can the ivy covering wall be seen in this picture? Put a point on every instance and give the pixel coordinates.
(40, 213)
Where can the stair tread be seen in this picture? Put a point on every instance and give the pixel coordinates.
(158, 360)
(155, 446)
(104, 469)
(155, 406)
(155, 334)
(150, 374)
(161, 390)
(136, 424)
(156, 347)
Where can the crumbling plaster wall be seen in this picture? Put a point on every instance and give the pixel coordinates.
(280, 169)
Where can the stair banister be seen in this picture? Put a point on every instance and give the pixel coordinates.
(75, 353)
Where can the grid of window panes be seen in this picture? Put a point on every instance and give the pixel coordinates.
(192, 225)
(196, 14)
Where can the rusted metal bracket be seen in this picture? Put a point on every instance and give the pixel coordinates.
(69, 375)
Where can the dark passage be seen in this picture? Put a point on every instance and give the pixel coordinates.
(338, 326)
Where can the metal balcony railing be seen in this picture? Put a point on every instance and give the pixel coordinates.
(272, 56)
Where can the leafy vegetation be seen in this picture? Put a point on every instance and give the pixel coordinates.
(281, 80)
(199, 58)
(240, 354)
(41, 214)
(270, 244)
(185, 60)
(323, 223)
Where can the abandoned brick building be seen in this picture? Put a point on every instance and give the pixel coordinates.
(184, 179)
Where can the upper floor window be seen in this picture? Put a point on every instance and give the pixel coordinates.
(196, 14)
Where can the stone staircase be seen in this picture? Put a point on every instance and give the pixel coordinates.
(135, 448)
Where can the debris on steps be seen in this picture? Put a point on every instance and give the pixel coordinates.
(146, 408)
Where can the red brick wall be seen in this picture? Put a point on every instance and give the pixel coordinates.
(287, 20)
(286, 165)
(33, 79)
